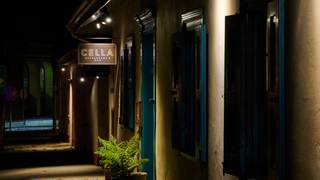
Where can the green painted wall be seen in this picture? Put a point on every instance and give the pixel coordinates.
(34, 88)
(48, 88)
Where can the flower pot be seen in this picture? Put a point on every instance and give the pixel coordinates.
(133, 176)
(121, 178)
(139, 176)
(107, 174)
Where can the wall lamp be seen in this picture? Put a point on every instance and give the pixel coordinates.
(82, 79)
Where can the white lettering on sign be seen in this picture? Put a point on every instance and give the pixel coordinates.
(110, 53)
(84, 52)
(97, 54)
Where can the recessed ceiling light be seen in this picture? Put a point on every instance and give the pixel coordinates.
(98, 25)
(108, 20)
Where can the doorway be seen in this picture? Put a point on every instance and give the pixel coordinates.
(29, 101)
(148, 103)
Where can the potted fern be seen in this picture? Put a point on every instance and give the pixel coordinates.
(120, 159)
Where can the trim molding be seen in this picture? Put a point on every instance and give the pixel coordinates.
(146, 21)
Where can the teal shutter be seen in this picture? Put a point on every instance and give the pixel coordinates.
(203, 94)
(128, 87)
(148, 105)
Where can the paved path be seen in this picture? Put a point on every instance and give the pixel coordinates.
(66, 172)
(30, 124)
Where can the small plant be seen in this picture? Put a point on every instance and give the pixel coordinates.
(120, 157)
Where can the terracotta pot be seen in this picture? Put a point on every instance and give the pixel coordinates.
(107, 174)
(122, 178)
(139, 176)
(134, 176)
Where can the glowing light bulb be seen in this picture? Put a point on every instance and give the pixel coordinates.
(82, 79)
(108, 20)
(98, 25)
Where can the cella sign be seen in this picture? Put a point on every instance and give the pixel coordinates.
(97, 54)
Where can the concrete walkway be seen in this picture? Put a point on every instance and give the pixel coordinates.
(46, 161)
(66, 172)
(30, 124)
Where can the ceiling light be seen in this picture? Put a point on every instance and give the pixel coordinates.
(97, 77)
(63, 69)
(104, 23)
(108, 20)
(98, 25)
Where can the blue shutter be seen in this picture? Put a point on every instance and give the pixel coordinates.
(203, 94)
(148, 105)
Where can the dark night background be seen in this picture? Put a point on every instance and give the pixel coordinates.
(26, 24)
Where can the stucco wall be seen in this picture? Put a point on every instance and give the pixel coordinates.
(94, 116)
(217, 10)
(83, 119)
(124, 26)
(170, 164)
(302, 88)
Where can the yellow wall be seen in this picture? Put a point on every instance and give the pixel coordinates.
(94, 114)
(170, 164)
(124, 26)
(217, 10)
(303, 84)
(110, 94)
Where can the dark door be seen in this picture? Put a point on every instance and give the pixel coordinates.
(245, 129)
(148, 104)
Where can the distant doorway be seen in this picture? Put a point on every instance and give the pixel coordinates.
(28, 104)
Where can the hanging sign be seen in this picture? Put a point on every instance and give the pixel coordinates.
(97, 54)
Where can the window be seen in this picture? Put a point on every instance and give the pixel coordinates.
(189, 87)
(245, 116)
(128, 84)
